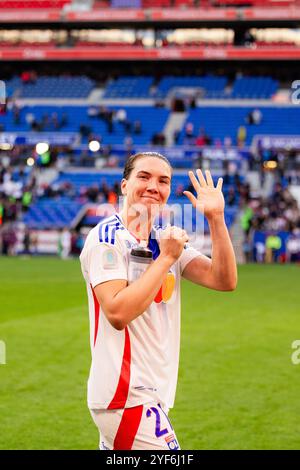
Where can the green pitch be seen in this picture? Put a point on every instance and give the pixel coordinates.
(238, 388)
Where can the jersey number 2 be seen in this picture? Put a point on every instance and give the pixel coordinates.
(158, 431)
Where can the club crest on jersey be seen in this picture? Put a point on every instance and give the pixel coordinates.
(109, 258)
(128, 244)
(172, 442)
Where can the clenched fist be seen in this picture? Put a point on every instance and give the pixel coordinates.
(172, 241)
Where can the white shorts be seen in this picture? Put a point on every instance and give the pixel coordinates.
(143, 427)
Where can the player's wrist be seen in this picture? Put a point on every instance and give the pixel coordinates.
(166, 259)
(216, 217)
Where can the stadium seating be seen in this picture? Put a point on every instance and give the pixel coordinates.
(53, 87)
(213, 87)
(152, 121)
(144, 87)
(129, 87)
(60, 212)
(254, 88)
(51, 213)
(220, 122)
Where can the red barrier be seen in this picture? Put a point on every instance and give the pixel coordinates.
(166, 15)
(139, 53)
(107, 15)
(32, 16)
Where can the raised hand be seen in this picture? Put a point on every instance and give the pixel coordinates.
(209, 199)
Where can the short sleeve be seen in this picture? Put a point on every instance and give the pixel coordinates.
(105, 262)
(186, 256)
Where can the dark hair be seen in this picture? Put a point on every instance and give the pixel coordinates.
(129, 165)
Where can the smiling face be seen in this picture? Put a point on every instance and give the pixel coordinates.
(149, 183)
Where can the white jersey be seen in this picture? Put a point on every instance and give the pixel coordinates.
(138, 364)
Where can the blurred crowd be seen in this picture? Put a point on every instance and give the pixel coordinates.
(275, 215)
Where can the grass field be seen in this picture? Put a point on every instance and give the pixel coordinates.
(238, 388)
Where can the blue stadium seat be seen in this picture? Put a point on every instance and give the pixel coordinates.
(129, 87)
(254, 88)
(52, 87)
(213, 87)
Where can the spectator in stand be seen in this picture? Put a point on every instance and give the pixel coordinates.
(257, 116)
(45, 121)
(273, 244)
(241, 136)
(63, 121)
(128, 144)
(85, 130)
(121, 116)
(9, 239)
(109, 121)
(29, 118)
(260, 249)
(158, 138)
(92, 193)
(54, 121)
(254, 117)
(112, 197)
(176, 137)
(293, 247)
(137, 127)
(249, 39)
(189, 131)
(64, 247)
(231, 198)
(26, 242)
(106, 151)
(201, 138)
(227, 142)
(179, 190)
(25, 77)
(16, 111)
(247, 250)
(26, 199)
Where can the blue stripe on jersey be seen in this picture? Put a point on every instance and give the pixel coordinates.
(104, 227)
(113, 233)
(154, 247)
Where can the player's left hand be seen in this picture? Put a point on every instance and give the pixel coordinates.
(210, 199)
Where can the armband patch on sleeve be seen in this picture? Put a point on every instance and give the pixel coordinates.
(109, 259)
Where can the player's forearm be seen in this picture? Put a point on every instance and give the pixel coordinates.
(134, 299)
(223, 267)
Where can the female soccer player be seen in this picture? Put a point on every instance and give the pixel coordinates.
(132, 271)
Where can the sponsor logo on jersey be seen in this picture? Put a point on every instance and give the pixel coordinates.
(172, 442)
(167, 288)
